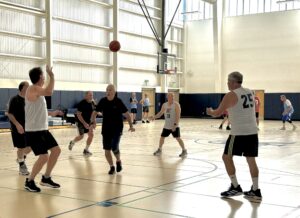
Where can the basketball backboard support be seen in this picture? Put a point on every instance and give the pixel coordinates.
(166, 63)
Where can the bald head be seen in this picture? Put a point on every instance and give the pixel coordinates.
(110, 92)
(89, 96)
(170, 97)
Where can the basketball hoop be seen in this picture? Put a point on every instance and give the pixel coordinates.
(171, 71)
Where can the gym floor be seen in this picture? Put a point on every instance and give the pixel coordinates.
(150, 186)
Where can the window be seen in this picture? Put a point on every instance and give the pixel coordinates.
(243, 7)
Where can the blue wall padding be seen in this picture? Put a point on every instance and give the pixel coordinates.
(192, 105)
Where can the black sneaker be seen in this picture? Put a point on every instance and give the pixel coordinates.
(256, 195)
(48, 182)
(232, 191)
(221, 126)
(147, 121)
(228, 128)
(143, 121)
(119, 166)
(112, 170)
(30, 186)
(134, 122)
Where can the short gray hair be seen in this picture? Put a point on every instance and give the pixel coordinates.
(236, 76)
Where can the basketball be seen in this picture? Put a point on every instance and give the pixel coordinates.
(114, 46)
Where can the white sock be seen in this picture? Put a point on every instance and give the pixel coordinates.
(234, 180)
(87, 147)
(21, 160)
(255, 183)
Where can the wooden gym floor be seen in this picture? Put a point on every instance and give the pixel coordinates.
(150, 186)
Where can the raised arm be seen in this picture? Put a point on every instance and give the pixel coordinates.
(229, 100)
(48, 90)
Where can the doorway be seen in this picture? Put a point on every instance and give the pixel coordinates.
(151, 95)
(261, 96)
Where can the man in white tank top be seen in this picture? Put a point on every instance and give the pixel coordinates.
(243, 139)
(36, 129)
(171, 111)
(287, 112)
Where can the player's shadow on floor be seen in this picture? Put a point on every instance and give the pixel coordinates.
(235, 205)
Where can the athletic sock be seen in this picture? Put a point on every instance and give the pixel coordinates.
(234, 180)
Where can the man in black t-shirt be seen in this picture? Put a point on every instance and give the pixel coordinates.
(85, 109)
(112, 109)
(16, 115)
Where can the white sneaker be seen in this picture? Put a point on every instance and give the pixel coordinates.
(87, 153)
(23, 170)
(157, 152)
(183, 153)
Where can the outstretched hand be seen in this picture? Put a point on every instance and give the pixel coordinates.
(49, 71)
(209, 111)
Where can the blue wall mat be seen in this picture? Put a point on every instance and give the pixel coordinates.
(4, 98)
(160, 99)
(194, 105)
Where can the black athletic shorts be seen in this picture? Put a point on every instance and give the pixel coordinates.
(242, 145)
(167, 132)
(146, 109)
(40, 141)
(133, 110)
(81, 128)
(256, 114)
(111, 142)
(18, 139)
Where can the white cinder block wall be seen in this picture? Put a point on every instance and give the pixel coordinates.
(264, 47)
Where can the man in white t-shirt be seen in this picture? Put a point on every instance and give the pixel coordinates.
(243, 138)
(287, 112)
(171, 110)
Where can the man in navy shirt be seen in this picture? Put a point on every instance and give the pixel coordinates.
(112, 109)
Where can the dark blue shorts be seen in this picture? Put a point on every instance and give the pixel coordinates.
(111, 142)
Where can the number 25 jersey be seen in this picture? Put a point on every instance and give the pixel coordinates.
(242, 115)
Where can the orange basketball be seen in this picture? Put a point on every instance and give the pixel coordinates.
(114, 46)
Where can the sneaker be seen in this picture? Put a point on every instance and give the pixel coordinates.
(112, 170)
(71, 144)
(220, 127)
(23, 170)
(256, 195)
(143, 121)
(147, 121)
(30, 186)
(119, 166)
(134, 122)
(282, 128)
(87, 152)
(228, 128)
(48, 182)
(183, 153)
(157, 152)
(232, 191)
